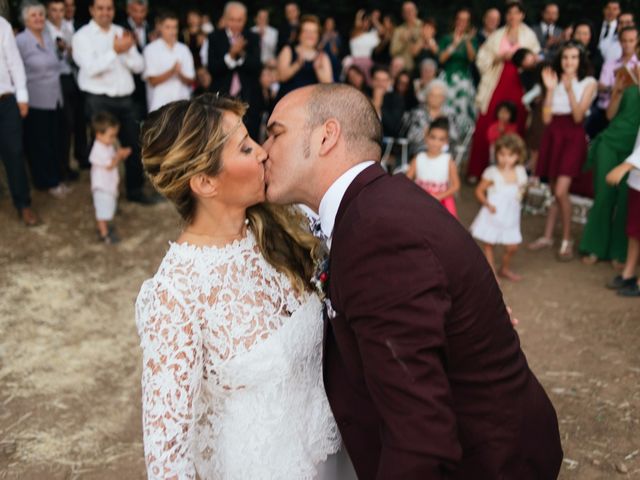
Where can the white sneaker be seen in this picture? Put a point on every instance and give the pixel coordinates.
(60, 191)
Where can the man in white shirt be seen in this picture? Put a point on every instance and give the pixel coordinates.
(268, 36)
(70, 16)
(607, 34)
(613, 49)
(14, 104)
(169, 70)
(107, 57)
(62, 35)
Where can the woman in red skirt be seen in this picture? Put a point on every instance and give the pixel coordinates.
(563, 151)
(500, 81)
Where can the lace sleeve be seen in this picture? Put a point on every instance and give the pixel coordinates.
(171, 379)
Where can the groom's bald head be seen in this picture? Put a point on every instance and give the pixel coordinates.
(360, 126)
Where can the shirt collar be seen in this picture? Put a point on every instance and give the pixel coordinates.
(331, 200)
(97, 28)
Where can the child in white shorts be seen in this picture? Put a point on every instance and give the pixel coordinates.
(104, 158)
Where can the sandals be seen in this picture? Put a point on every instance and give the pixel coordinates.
(540, 243)
(29, 217)
(565, 254)
(590, 259)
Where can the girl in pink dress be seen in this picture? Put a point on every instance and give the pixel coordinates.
(434, 170)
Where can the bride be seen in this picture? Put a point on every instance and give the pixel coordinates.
(230, 330)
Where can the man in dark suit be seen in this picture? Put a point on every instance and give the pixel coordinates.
(422, 367)
(234, 62)
(548, 32)
(136, 22)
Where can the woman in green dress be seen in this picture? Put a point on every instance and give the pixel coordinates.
(604, 234)
(457, 53)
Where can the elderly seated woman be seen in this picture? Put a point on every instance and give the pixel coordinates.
(428, 73)
(434, 106)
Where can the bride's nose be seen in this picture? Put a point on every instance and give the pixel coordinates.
(262, 154)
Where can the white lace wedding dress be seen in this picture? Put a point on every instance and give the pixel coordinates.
(232, 370)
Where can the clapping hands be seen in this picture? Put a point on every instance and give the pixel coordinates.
(549, 78)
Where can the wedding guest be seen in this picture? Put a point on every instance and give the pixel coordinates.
(62, 35)
(500, 81)
(386, 28)
(234, 62)
(136, 22)
(44, 125)
(457, 53)
(548, 31)
(302, 64)
(427, 47)
(583, 33)
(419, 119)
(193, 36)
(428, 73)
(288, 34)
(570, 90)
(14, 106)
(364, 39)
(169, 70)
(406, 35)
(107, 56)
(70, 15)
(607, 32)
(626, 283)
(500, 193)
(629, 58)
(357, 79)
(331, 44)
(603, 237)
(434, 169)
(614, 48)
(505, 124)
(267, 34)
(396, 67)
(490, 23)
(104, 158)
(389, 105)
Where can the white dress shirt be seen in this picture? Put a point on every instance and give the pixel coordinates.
(102, 70)
(67, 36)
(609, 44)
(159, 58)
(634, 159)
(12, 76)
(268, 42)
(331, 200)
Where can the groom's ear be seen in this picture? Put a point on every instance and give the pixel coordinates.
(331, 131)
(204, 185)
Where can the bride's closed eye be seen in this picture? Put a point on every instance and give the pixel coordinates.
(246, 150)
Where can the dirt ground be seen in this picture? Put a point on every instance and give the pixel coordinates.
(70, 361)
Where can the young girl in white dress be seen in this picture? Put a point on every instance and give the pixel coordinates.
(434, 170)
(500, 192)
(230, 328)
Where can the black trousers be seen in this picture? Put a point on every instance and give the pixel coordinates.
(76, 120)
(44, 144)
(11, 152)
(124, 110)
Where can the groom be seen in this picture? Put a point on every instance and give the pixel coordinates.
(422, 367)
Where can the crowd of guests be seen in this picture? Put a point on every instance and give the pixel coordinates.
(565, 98)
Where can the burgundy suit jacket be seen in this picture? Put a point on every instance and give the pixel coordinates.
(422, 367)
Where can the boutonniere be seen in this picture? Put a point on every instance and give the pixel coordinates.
(320, 279)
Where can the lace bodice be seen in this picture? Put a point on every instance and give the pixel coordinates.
(232, 371)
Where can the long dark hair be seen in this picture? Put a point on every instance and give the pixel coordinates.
(584, 69)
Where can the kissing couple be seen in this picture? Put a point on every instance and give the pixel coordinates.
(376, 342)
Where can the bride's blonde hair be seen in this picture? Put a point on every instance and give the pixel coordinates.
(186, 138)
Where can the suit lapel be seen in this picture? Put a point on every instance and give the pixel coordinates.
(367, 176)
(364, 178)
